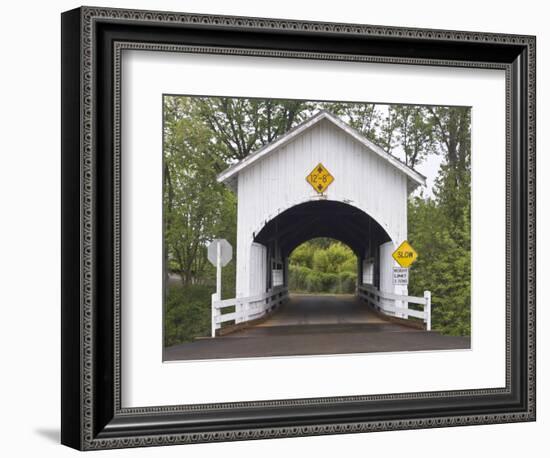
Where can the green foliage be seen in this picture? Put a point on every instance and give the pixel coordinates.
(321, 261)
(187, 313)
(439, 229)
(443, 266)
(243, 125)
(323, 266)
(196, 207)
(414, 132)
(303, 255)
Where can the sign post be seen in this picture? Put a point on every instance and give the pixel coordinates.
(220, 252)
(219, 270)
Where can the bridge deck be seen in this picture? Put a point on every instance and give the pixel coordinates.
(317, 325)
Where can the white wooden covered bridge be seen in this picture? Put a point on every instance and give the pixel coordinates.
(364, 206)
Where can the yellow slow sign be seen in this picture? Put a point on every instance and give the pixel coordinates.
(320, 178)
(405, 254)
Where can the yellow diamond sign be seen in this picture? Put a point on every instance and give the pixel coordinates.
(405, 254)
(320, 178)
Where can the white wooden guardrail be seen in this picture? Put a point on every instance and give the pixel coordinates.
(246, 308)
(386, 302)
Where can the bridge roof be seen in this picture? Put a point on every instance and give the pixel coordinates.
(229, 175)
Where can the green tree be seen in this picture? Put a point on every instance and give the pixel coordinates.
(443, 266)
(414, 132)
(196, 207)
(321, 261)
(364, 117)
(303, 255)
(439, 227)
(453, 184)
(244, 125)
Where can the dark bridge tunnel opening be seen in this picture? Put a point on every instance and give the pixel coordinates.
(328, 219)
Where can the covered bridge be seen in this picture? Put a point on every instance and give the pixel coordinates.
(320, 179)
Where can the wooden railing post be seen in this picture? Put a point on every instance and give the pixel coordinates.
(215, 313)
(243, 308)
(428, 309)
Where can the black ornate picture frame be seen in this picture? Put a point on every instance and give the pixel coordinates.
(92, 42)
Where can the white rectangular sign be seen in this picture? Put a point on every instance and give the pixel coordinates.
(400, 276)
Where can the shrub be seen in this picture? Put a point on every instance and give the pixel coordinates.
(329, 282)
(314, 282)
(321, 261)
(187, 313)
(305, 280)
(347, 282)
(323, 266)
(298, 278)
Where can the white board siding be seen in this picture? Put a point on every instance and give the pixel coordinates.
(229, 175)
(258, 268)
(278, 182)
(387, 263)
(368, 272)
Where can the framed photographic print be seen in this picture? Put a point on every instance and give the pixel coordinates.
(278, 228)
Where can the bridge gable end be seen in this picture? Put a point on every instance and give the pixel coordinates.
(320, 122)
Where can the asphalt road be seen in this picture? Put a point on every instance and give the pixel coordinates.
(317, 325)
